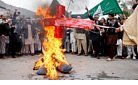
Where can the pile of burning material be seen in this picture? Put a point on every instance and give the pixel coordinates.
(64, 68)
(53, 58)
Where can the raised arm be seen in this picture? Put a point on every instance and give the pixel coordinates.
(90, 17)
(86, 8)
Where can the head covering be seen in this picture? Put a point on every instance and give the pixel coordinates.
(96, 15)
(111, 14)
(134, 6)
(78, 17)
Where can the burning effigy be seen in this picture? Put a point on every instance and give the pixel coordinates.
(53, 58)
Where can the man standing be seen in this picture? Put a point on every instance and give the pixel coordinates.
(67, 40)
(72, 38)
(81, 39)
(111, 36)
(4, 31)
(95, 35)
(130, 37)
(29, 34)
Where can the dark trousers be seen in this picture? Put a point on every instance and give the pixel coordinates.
(12, 48)
(96, 47)
(102, 45)
(111, 45)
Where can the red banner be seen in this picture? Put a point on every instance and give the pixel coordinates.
(75, 23)
(58, 32)
(60, 11)
(59, 22)
(69, 22)
(49, 21)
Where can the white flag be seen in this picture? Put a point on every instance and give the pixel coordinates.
(99, 11)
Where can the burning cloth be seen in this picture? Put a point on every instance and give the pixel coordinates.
(70, 22)
(75, 23)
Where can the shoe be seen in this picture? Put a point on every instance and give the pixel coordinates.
(128, 57)
(95, 55)
(134, 58)
(13, 57)
(91, 55)
(114, 58)
(109, 59)
(122, 57)
(2, 57)
(98, 57)
(32, 54)
(73, 53)
(86, 54)
(119, 56)
(79, 54)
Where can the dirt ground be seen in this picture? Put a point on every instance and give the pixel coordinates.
(84, 68)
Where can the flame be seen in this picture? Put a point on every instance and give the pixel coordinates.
(53, 54)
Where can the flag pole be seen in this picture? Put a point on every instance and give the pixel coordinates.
(68, 5)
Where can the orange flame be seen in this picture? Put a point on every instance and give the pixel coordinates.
(53, 54)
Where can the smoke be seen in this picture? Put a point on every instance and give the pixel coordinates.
(37, 3)
(77, 6)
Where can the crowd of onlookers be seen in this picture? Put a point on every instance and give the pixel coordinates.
(101, 41)
(19, 35)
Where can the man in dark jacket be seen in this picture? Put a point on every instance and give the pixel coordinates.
(94, 35)
(15, 43)
(111, 36)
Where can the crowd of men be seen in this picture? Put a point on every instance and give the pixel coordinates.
(101, 41)
(18, 35)
(21, 35)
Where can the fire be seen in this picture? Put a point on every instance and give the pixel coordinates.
(53, 55)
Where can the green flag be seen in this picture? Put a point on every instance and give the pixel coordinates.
(105, 7)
